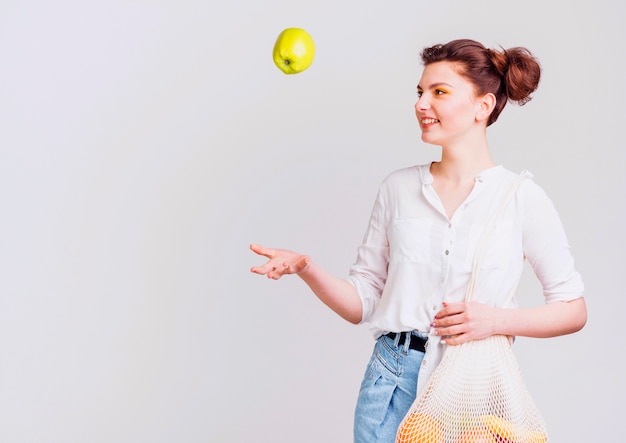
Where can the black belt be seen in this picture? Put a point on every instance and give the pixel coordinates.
(416, 343)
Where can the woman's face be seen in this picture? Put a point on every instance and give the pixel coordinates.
(447, 106)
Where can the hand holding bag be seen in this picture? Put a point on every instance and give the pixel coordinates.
(477, 393)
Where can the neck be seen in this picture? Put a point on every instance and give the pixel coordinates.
(460, 163)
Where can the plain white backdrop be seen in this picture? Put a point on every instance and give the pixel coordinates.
(144, 144)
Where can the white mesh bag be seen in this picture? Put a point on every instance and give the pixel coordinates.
(477, 393)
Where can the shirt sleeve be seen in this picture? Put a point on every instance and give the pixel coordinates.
(369, 272)
(546, 247)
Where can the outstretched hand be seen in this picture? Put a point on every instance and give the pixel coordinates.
(280, 262)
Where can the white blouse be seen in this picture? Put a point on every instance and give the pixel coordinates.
(413, 257)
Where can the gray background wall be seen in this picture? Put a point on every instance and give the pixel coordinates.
(145, 144)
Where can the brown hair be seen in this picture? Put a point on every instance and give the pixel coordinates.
(510, 74)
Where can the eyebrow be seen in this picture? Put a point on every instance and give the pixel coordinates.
(436, 85)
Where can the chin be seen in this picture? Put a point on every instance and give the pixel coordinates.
(427, 138)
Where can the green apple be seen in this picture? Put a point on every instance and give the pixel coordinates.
(293, 51)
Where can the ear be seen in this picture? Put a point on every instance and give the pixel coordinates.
(486, 104)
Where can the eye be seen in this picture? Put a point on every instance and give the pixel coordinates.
(419, 93)
(440, 92)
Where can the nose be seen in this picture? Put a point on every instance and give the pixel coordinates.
(422, 103)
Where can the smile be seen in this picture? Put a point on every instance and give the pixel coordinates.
(428, 121)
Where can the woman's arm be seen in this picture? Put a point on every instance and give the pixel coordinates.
(547, 250)
(338, 294)
(549, 320)
(461, 322)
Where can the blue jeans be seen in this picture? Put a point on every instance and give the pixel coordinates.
(387, 391)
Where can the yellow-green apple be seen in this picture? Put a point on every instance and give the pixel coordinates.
(294, 50)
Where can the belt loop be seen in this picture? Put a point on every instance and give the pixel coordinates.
(396, 340)
(407, 341)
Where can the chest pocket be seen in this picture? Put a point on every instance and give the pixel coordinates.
(409, 240)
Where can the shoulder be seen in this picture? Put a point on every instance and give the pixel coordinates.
(530, 196)
(535, 204)
(401, 183)
(528, 187)
(409, 176)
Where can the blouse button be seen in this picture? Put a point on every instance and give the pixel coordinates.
(447, 252)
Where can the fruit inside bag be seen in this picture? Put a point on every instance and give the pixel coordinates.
(422, 428)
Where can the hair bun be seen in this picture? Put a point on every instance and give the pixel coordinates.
(500, 61)
(520, 71)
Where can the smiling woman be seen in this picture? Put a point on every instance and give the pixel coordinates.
(410, 276)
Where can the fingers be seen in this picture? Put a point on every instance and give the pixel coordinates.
(461, 322)
(277, 272)
(271, 266)
(298, 266)
(265, 252)
(280, 262)
(450, 309)
(258, 249)
(277, 267)
(449, 323)
(453, 335)
(453, 340)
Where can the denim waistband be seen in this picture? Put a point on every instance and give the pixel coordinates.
(415, 342)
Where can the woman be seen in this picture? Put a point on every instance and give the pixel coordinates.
(415, 261)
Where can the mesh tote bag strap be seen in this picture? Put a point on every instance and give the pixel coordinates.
(477, 393)
(487, 233)
(434, 347)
